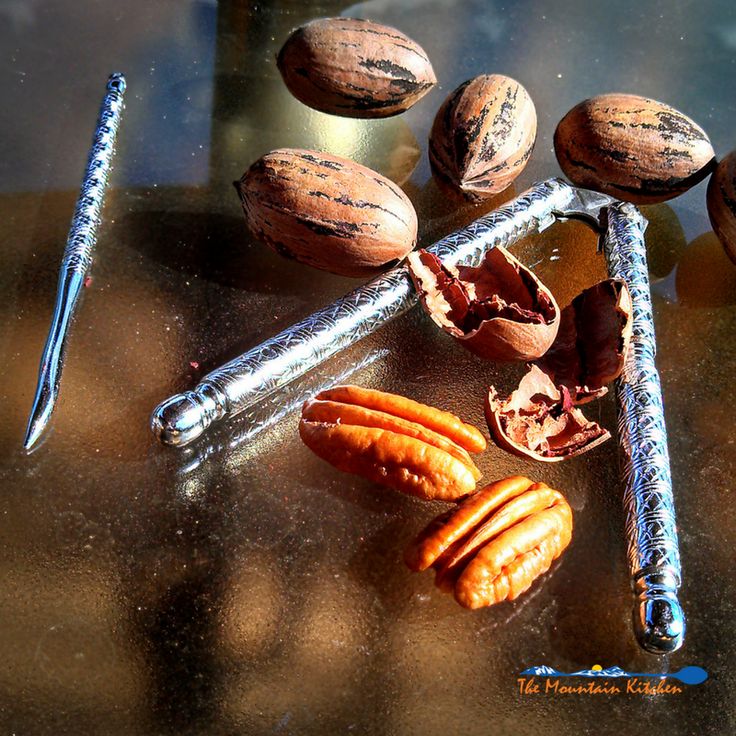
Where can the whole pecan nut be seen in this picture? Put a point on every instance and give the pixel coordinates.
(632, 148)
(494, 544)
(355, 68)
(483, 135)
(722, 203)
(327, 211)
(394, 441)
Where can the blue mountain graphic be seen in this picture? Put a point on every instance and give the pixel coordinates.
(608, 672)
(542, 670)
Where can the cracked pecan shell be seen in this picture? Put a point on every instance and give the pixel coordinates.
(589, 350)
(394, 441)
(499, 310)
(483, 135)
(633, 148)
(540, 421)
(495, 543)
(327, 211)
(355, 68)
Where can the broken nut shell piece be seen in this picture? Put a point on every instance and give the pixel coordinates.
(499, 310)
(591, 344)
(540, 421)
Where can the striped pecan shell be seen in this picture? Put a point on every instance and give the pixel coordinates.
(394, 441)
(722, 203)
(483, 135)
(327, 211)
(495, 543)
(355, 68)
(632, 148)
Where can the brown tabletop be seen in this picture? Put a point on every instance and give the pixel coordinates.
(259, 590)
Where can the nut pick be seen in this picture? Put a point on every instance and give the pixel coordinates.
(77, 257)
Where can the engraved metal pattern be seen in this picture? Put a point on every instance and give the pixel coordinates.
(77, 257)
(82, 234)
(251, 377)
(255, 374)
(651, 530)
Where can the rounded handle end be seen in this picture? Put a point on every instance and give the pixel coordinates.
(659, 622)
(180, 419)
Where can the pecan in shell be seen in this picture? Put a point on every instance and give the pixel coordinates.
(483, 135)
(722, 203)
(632, 148)
(355, 68)
(327, 211)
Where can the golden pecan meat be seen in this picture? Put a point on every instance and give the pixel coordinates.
(496, 543)
(394, 441)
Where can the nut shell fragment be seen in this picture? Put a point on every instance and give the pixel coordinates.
(722, 203)
(355, 68)
(633, 148)
(495, 543)
(589, 350)
(539, 421)
(393, 441)
(327, 211)
(483, 135)
(499, 310)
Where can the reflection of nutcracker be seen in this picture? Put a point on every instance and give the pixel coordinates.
(653, 553)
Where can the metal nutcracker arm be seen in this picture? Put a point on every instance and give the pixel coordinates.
(251, 377)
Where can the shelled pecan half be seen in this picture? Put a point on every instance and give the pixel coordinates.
(394, 441)
(494, 544)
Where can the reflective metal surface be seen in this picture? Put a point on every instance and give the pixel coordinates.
(239, 384)
(651, 527)
(262, 591)
(77, 256)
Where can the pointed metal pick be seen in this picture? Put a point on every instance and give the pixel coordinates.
(77, 257)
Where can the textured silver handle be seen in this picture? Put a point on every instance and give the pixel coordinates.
(83, 231)
(248, 379)
(77, 256)
(651, 530)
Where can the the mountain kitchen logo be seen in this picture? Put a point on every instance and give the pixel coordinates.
(597, 680)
